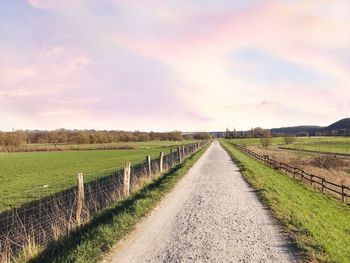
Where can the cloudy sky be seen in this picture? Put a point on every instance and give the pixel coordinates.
(165, 65)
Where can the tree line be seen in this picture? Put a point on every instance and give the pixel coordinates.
(252, 133)
(264, 135)
(63, 136)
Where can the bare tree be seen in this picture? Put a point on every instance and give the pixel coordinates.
(266, 139)
(288, 139)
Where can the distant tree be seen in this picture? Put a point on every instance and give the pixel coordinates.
(258, 132)
(227, 134)
(288, 139)
(202, 136)
(14, 139)
(9, 140)
(63, 137)
(80, 137)
(266, 139)
(54, 137)
(142, 136)
(173, 136)
(153, 136)
(187, 137)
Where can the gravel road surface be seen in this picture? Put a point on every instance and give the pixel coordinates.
(212, 215)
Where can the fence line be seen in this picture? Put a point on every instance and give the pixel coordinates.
(341, 191)
(41, 221)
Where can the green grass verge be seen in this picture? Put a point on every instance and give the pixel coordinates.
(92, 241)
(319, 224)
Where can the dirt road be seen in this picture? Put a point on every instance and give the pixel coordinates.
(211, 216)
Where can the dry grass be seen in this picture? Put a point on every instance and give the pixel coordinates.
(332, 168)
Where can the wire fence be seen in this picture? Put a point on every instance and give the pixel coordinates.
(340, 191)
(45, 219)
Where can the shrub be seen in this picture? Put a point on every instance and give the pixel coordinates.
(266, 140)
(328, 162)
(288, 139)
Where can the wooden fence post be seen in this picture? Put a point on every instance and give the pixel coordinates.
(171, 157)
(183, 151)
(149, 168)
(126, 179)
(161, 157)
(80, 198)
(343, 193)
(322, 185)
(179, 153)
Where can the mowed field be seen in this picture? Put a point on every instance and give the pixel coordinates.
(323, 144)
(56, 171)
(47, 147)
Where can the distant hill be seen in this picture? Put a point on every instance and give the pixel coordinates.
(298, 130)
(343, 124)
(341, 127)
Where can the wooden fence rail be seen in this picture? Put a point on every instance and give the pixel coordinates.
(342, 191)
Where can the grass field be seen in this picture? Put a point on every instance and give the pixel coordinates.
(90, 243)
(323, 144)
(319, 224)
(101, 146)
(58, 170)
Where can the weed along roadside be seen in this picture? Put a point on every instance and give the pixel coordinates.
(319, 224)
(91, 241)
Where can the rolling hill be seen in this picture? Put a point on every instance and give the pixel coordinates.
(343, 124)
(341, 127)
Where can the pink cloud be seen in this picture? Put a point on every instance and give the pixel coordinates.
(47, 4)
(189, 49)
(285, 29)
(29, 88)
(56, 65)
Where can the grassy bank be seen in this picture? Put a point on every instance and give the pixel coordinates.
(93, 240)
(319, 224)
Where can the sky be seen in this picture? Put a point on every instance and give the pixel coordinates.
(188, 65)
